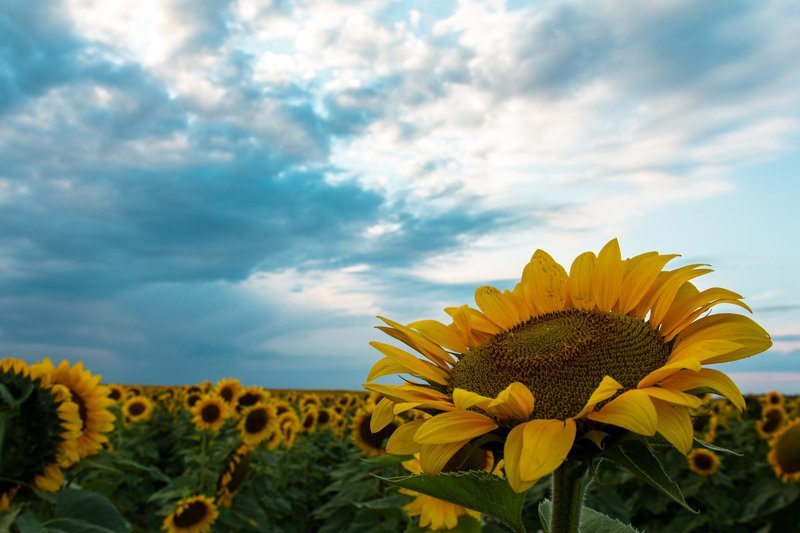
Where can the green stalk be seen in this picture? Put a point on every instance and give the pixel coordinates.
(569, 485)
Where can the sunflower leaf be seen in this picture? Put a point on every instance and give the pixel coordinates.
(716, 448)
(640, 460)
(477, 490)
(591, 521)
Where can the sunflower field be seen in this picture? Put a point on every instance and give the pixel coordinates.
(78, 455)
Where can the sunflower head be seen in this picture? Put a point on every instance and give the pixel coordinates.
(288, 425)
(256, 423)
(773, 398)
(703, 462)
(611, 346)
(308, 423)
(192, 515)
(116, 393)
(326, 417)
(210, 412)
(237, 467)
(772, 419)
(784, 453)
(251, 396)
(137, 409)
(361, 433)
(230, 390)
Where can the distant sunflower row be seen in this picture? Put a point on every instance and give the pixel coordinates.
(51, 417)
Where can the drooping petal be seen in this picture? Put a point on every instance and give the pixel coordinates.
(413, 365)
(385, 367)
(674, 425)
(382, 415)
(607, 388)
(581, 274)
(434, 457)
(454, 426)
(705, 339)
(706, 378)
(545, 445)
(401, 442)
(632, 410)
(544, 283)
(445, 336)
(607, 276)
(515, 402)
(464, 399)
(417, 341)
(512, 458)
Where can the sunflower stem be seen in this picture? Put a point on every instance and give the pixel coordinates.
(569, 485)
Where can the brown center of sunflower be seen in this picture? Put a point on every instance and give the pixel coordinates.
(192, 514)
(787, 450)
(226, 393)
(702, 461)
(114, 394)
(562, 357)
(772, 420)
(323, 417)
(210, 413)
(256, 421)
(308, 421)
(136, 408)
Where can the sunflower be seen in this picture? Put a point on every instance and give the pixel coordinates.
(191, 515)
(281, 406)
(784, 453)
(310, 401)
(326, 417)
(237, 467)
(773, 398)
(256, 423)
(772, 419)
(703, 462)
(7, 492)
(274, 439)
(91, 398)
(309, 421)
(116, 393)
(251, 396)
(613, 344)
(137, 409)
(288, 425)
(368, 439)
(191, 399)
(210, 412)
(230, 390)
(436, 514)
(133, 390)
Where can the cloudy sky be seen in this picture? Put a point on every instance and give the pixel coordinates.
(195, 189)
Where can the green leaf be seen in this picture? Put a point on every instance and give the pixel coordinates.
(28, 523)
(545, 512)
(93, 509)
(594, 522)
(480, 491)
(640, 460)
(716, 448)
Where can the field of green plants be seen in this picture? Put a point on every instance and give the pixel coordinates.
(228, 458)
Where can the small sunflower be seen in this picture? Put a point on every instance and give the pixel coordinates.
(210, 412)
(703, 462)
(288, 425)
(362, 435)
(251, 396)
(326, 417)
(612, 344)
(274, 439)
(137, 409)
(309, 420)
(92, 401)
(256, 423)
(191, 398)
(230, 390)
(192, 515)
(133, 390)
(784, 453)
(772, 419)
(773, 398)
(310, 400)
(7, 492)
(282, 406)
(116, 393)
(237, 467)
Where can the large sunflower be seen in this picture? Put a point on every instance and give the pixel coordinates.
(257, 423)
(784, 453)
(191, 515)
(137, 409)
(210, 412)
(612, 343)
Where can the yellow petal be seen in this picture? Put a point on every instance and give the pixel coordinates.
(632, 410)
(434, 457)
(544, 283)
(497, 306)
(674, 425)
(685, 311)
(515, 402)
(512, 458)
(705, 339)
(667, 370)
(401, 442)
(545, 445)
(638, 281)
(464, 399)
(673, 396)
(607, 277)
(400, 408)
(417, 341)
(445, 336)
(412, 364)
(454, 426)
(385, 367)
(382, 415)
(581, 274)
(669, 289)
(608, 387)
(707, 378)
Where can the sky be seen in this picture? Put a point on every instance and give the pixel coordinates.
(199, 189)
